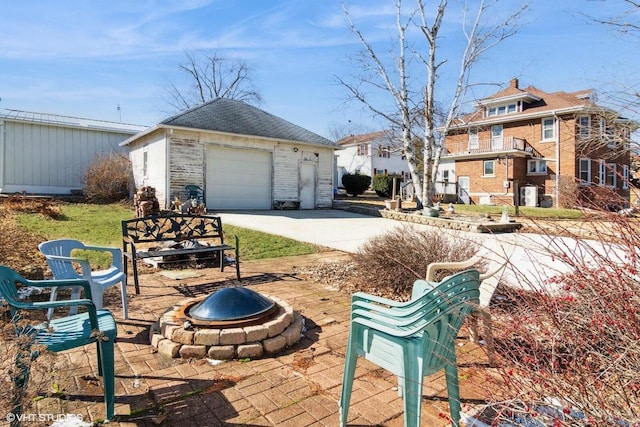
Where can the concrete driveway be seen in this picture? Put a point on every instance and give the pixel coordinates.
(530, 260)
(332, 228)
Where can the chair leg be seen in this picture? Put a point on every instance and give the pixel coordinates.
(453, 390)
(413, 376)
(54, 296)
(106, 363)
(347, 378)
(123, 292)
(135, 274)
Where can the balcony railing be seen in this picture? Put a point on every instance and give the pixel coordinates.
(494, 145)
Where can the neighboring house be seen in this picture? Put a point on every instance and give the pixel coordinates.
(49, 154)
(243, 158)
(551, 149)
(380, 153)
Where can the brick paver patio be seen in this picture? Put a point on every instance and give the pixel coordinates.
(299, 387)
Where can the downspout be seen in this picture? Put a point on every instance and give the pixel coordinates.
(556, 190)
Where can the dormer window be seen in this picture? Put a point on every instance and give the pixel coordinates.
(500, 110)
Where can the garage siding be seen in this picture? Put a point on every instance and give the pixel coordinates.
(285, 175)
(186, 163)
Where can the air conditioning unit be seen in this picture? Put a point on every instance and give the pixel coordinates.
(529, 196)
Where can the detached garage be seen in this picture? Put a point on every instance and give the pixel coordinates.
(242, 156)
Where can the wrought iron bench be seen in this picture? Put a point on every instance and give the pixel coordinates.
(180, 236)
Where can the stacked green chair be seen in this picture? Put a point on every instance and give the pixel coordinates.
(64, 333)
(411, 339)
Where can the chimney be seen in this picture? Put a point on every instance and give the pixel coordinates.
(514, 83)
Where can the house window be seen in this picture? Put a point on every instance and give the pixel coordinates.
(363, 149)
(585, 171)
(608, 133)
(473, 138)
(496, 137)
(548, 129)
(502, 109)
(488, 168)
(601, 172)
(584, 126)
(145, 163)
(384, 152)
(611, 171)
(625, 177)
(537, 167)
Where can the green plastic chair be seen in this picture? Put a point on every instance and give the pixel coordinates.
(411, 339)
(93, 326)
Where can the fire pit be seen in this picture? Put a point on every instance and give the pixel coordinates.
(233, 322)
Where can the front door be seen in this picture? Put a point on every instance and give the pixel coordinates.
(463, 190)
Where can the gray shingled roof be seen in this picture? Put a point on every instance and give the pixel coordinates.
(232, 116)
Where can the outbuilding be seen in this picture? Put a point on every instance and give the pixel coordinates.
(49, 153)
(241, 156)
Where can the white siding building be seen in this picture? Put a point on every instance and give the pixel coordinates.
(376, 153)
(379, 153)
(49, 154)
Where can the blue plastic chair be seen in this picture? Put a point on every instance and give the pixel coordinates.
(93, 326)
(411, 339)
(58, 255)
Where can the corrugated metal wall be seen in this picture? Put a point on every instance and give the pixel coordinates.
(47, 159)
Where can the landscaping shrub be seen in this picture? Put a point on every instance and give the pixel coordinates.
(108, 179)
(572, 343)
(356, 184)
(388, 265)
(383, 185)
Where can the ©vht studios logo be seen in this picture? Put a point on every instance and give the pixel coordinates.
(11, 417)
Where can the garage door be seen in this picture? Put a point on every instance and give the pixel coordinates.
(238, 179)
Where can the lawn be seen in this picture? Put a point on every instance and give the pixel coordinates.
(101, 225)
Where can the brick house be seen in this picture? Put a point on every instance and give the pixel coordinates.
(533, 148)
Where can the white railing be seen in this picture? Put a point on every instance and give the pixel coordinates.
(488, 145)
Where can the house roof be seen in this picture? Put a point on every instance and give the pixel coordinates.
(359, 139)
(238, 117)
(67, 121)
(537, 103)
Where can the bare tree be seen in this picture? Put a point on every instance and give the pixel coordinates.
(627, 22)
(209, 76)
(414, 113)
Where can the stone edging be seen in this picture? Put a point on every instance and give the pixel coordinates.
(173, 340)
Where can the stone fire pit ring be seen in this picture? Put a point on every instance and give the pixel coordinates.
(175, 338)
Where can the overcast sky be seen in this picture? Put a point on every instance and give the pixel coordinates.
(85, 58)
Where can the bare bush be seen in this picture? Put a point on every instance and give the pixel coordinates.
(108, 178)
(390, 263)
(570, 346)
(19, 355)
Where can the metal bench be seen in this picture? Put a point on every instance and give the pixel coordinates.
(182, 235)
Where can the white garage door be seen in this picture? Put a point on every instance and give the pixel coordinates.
(238, 179)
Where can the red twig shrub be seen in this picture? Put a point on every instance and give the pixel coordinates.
(574, 339)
